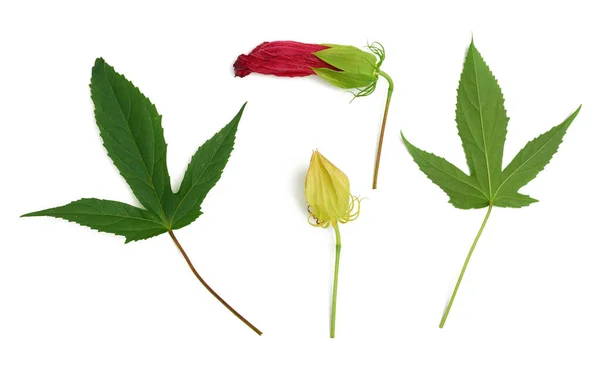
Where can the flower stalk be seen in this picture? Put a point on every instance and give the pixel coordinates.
(327, 191)
(338, 249)
(383, 123)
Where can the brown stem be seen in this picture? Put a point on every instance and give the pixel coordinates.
(385, 114)
(187, 259)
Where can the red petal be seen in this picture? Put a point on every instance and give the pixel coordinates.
(281, 58)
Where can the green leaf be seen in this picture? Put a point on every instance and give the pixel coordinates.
(482, 126)
(533, 158)
(132, 133)
(481, 121)
(109, 217)
(130, 127)
(203, 172)
(131, 130)
(462, 189)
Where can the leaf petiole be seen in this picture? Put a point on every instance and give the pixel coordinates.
(189, 262)
(385, 113)
(462, 272)
(338, 249)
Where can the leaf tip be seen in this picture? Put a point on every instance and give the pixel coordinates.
(33, 214)
(404, 140)
(571, 118)
(472, 47)
(99, 61)
(241, 111)
(236, 120)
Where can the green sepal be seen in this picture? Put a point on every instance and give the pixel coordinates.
(357, 69)
(345, 80)
(349, 59)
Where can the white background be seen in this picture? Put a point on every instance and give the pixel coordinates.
(72, 296)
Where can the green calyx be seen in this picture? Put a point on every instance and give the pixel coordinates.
(360, 69)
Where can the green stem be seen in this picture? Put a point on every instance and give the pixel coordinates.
(338, 249)
(385, 114)
(189, 262)
(462, 272)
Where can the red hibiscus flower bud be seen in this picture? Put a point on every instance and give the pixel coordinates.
(346, 67)
(281, 58)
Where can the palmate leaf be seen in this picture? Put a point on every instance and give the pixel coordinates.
(130, 127)
(482, 125)
(131, 130)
